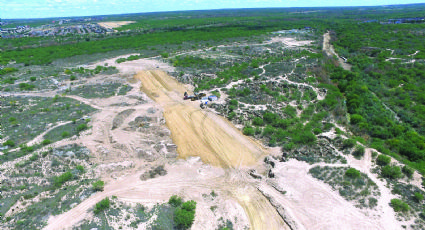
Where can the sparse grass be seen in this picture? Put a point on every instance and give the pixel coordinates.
(96, 91)
(351, 184)
(34, 114)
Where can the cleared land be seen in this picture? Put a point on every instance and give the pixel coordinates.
(195, 131)
(111, 25)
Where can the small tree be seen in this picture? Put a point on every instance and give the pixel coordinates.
(9, 143)
(399, 206)
(249, 131)
(46, 142)
(359, 151)
(408, 171)
(184, 216)
(383, 160)
(348, 143)
(392, 172)
(257, 121)
(65, 134)
(175, 201)
(352, 173)
(418, 197)
(102, 205)
(98, 185)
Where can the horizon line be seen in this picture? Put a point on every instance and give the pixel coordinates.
(293, 7)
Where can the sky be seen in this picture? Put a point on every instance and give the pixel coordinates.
(13, 9)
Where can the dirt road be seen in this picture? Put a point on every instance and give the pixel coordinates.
(330, 51)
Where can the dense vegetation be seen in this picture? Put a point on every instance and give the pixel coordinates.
(388, 65)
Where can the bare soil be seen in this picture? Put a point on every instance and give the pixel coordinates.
(111, 25)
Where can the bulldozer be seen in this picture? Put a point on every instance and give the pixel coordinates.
(196, 96)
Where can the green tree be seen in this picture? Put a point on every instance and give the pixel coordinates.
(60, 180)
(175, 201)
(185, 215)
(418, 197)
(348, 143)
(352, 173)
(102, 205)
(98, 185)
(257, 121)
(383, 160)
(399, 206)
(392, 172)
(359, 151)
(249, 131)
(9, 143)
(408, 171)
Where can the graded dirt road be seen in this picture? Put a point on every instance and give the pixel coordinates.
(330, 51)
(197, 132)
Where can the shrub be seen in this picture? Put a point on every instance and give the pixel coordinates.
(399, 206)
(67, 71)
(33, 78)
(65, 134)
(175, 201)
(359, 151)
(9, 143)
(305, 137)
(189, 205)
(81, 127)
(165, 55)
(258, 121)
(249, 131)
(233, 102)
(80, 168)
(418, 197)
(408, 171)
(25, 86)
(98, 185)
(383, 160)
(46, 142)
(184, 216)
(102, 205)
(355, 118)
(352, 173)
(60, 180)
(392, 172)
(317, 131)
(72, 78)
(348, 143)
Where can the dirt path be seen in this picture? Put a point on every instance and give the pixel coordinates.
(330, 51)
(38, 139)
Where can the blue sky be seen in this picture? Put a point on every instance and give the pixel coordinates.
(64, 8)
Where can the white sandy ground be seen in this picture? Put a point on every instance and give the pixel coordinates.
(309, 202)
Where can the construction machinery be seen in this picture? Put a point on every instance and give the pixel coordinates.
(196, 96)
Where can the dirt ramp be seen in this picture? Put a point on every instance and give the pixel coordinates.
(198, 132)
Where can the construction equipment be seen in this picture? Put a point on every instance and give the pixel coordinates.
(197, 96)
